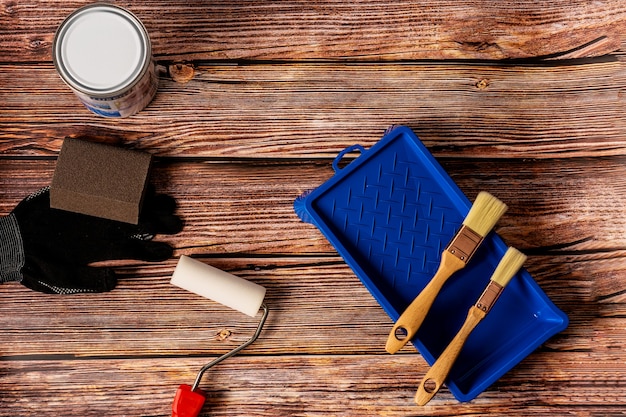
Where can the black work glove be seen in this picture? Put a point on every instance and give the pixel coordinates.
(49, 250)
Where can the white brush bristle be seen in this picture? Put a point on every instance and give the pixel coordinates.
(485, 213)
(510, 263)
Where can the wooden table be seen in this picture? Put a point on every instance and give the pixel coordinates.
(526, 100)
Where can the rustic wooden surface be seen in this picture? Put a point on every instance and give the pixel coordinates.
(523, 99)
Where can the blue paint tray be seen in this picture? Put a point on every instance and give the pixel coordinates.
(390, 213)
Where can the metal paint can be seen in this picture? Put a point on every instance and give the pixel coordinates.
(103, 53)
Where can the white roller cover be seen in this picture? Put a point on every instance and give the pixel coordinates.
(217, 285)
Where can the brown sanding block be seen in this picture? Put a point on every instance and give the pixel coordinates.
(100, 180)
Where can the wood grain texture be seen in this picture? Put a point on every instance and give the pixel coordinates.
(347, 320)
(243, 207)
(522, 99)
(240, 218)
(335, 30)
(458, 110)
(292, 386)
(581, 273)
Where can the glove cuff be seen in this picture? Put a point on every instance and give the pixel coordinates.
(11, 249)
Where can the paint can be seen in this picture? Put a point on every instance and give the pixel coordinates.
(103, 53)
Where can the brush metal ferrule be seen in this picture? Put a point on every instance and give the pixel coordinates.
(464, 244)
(489, 296)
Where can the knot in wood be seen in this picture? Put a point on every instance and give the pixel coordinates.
(224, 334)
(181, 72)
(482, 84)
(9, 8)
(36, 44)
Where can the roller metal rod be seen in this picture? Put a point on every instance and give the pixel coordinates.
(234, 351)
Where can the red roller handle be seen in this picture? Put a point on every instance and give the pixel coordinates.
(187, 403)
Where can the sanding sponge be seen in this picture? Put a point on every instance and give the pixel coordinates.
(100, 180)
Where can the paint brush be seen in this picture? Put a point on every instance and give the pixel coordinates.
(482, 217)
(510, 264)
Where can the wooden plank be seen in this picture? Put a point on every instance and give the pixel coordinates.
(364, 30)
(544, 384)
(309, 111)
(317, 305)
(247, 207)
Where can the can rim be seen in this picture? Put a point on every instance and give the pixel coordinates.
(72, 81)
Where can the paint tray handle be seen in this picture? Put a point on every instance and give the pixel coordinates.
(349, 149)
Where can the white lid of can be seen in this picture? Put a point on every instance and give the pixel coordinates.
(101, 49)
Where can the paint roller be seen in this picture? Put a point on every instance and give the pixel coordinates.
(224, 288)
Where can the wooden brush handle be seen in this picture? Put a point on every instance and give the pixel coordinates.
(438, 373)
(412, 318)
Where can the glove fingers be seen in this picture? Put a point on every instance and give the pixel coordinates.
(161, 224)
(78, 239)
(50, 278)
(159, 203)
(149, 250)
(142, 250)
(157, 216)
